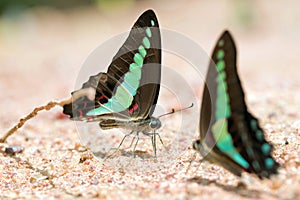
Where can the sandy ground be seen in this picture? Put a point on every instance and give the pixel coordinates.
(41, 54)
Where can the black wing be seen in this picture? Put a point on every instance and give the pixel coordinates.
(144, 39)
(247, 136)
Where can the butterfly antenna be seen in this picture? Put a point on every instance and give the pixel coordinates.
(174, 111)
(33, 113)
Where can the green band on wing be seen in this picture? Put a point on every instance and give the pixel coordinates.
(100, 110)
(152, 22)
(119, 102)
(220, 54)
(123, 97)
(258, 133)
(138, 59)
(131, 80)
(148, 32)
(137, 74)
(269, 162)
(222, 101)
(129, 88)
(133, 66)
(142, 51)
(225, 142)
(222, 76)
(266, 148)
(220, 65)
(146, 42)
(253, 124)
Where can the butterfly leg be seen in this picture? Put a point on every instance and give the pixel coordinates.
(153, 140)
(133, 139)
(160, 139)
(137, 137)
(135, 145)
(118, 148)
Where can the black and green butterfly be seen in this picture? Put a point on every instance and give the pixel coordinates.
(126, 95)
(229, 135)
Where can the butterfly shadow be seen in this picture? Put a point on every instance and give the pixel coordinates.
(241, 189)
(125, 153)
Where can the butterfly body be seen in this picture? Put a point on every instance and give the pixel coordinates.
(126, 95)
(146, 126)
(230, 135)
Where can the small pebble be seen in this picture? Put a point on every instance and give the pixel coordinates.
(286, 142)
(13, 149)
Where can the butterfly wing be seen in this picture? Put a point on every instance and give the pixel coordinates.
(207, 142)
(131, 85)
(226, 127)
(147, 94)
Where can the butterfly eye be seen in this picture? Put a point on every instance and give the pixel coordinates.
(155, 124)
(196, 145)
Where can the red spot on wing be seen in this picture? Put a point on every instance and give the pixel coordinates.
(101, 97)
(133, 108)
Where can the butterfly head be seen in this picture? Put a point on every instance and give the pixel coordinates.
(154, 124)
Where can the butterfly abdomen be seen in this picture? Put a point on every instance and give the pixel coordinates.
(109, 124)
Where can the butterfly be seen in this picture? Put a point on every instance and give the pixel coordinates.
(126, 95)
(229, 134)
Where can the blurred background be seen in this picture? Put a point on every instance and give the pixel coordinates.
(44, 43)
